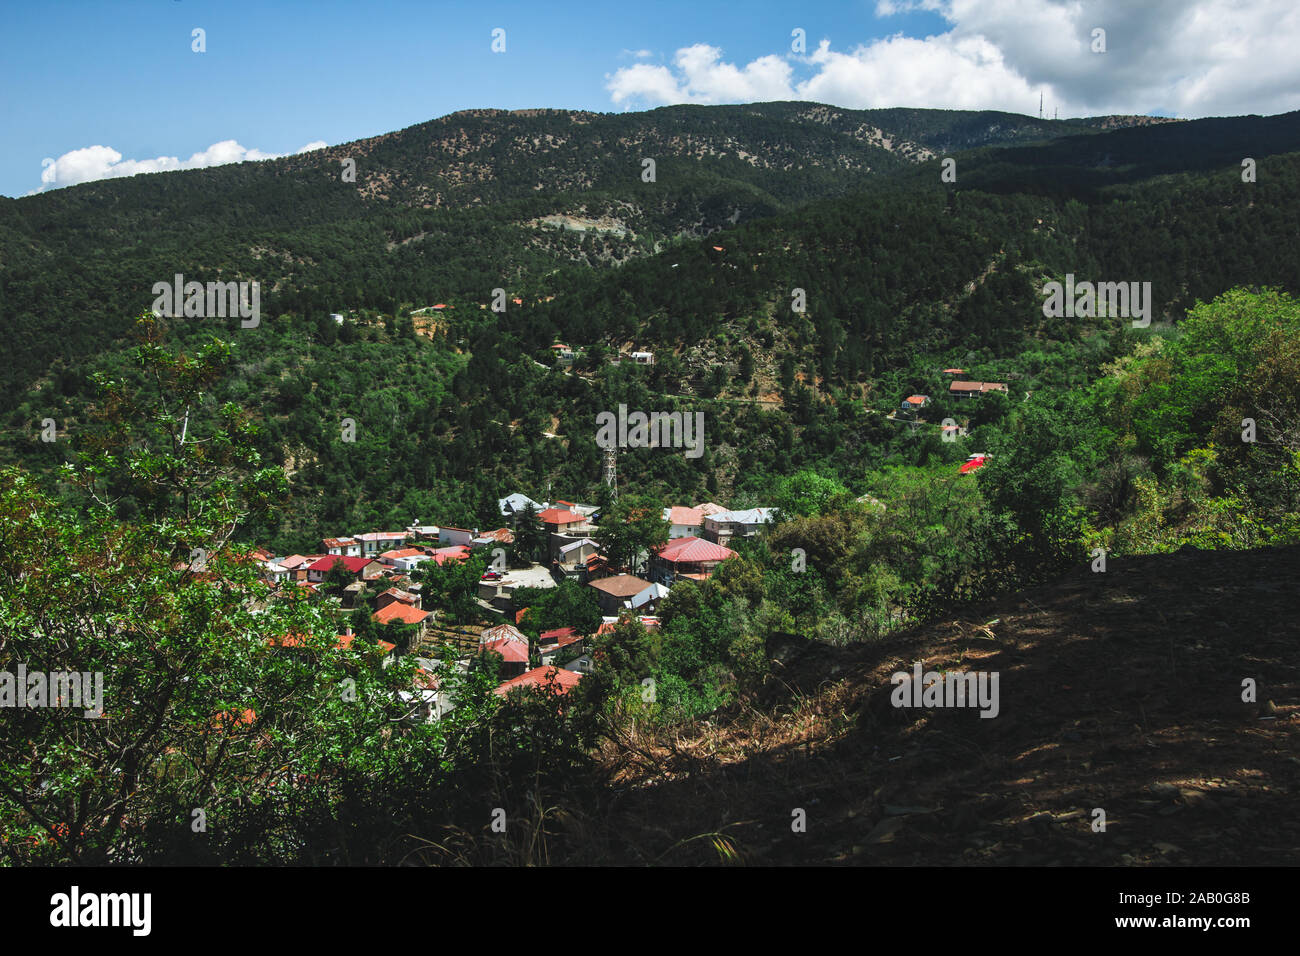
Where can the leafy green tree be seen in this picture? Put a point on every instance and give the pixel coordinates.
(530, 535)
(631, 530)
(570, 604)
(807, 493)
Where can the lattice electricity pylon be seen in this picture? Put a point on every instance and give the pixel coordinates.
(611, 472)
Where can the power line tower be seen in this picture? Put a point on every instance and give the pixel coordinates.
(611, 472)
(1040, 105)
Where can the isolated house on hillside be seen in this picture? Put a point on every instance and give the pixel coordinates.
(974, 389)
(912, 404)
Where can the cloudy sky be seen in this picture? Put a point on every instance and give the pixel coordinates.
(99, 88)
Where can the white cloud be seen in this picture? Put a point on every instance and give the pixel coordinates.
(103, 162)
(1183, 57)
(704, 78)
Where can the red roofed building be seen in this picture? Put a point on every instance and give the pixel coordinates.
(971, 389)
(398, 612)
(513, 654)
(684, 557)
(560, 520)
(457, 552)
(393, 594)
(550, 678)
(363, 568)
(972, 463)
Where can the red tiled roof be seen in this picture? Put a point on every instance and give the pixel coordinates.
(687, 516)
(693, 549)
(971, 465)
(402, 553)
(397, 611)
(559, 516)
(916, 399)
(511, 651)
(386, 646)
(563, 681)
(353, 564)
(558, 634)
(455, 552)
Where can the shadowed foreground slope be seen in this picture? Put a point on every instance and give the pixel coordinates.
(1120, 690)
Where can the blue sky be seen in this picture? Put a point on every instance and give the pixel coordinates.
(277, 76)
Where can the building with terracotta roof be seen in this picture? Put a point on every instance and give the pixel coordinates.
(404, 559)
(972, 389)
(689, 522)
(563, 520)
(398, 612)
(395, 594)
(363, 568)
(555, 679)
(687, 557)
(348, 547)
(613, 591)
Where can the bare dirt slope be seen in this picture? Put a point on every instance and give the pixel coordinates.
(1119, 690)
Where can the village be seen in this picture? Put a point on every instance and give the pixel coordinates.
(382, 570)
(384, 565)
